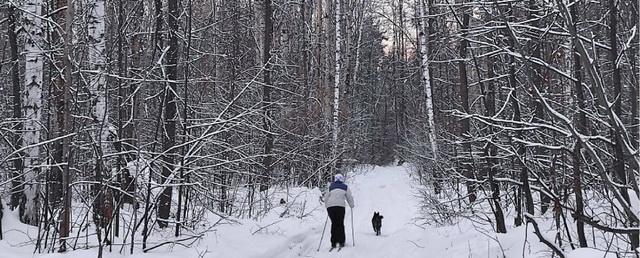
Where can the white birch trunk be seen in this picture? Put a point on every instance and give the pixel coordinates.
(97, 61)
(426, 81)
(336, 87)
(32, 101)
(359, 40)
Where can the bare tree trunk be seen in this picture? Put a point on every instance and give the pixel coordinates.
(619, 161)
(490, 150)
(17, 187)
(54, 179)
(538, 81)
(97, 60)
(319, 60)
(170, 114)
(426, 82)
(359, 30)
(157, 46)
(121, 145)
(580, 121)
(468, 169)
(524, 191)
(32, 104)
(266, 97)
(305, 64)
(635, 70)
(336, 87)
(185, 125)
(129, 130)
(127, 101)
(64, 119)
(398, 73)
(102, 206)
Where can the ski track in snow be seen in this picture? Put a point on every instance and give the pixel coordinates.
(392, 192)
(387, 190)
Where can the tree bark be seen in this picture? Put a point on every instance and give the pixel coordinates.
(490, 150)
(266, 96)
(97, 89)
(580, 121)
(635, 86)
(538, 81)
(336, 87)
(465, 123)
(524, 191)
(32, 104)
(170, 114)
(619, 160)
(64, 83)
(426, 83)
(17, 187)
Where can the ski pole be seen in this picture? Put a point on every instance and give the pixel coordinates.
(353, 235)
(323, 229)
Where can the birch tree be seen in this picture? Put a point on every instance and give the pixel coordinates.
(426, 83)
(32, 107)
(336, 86)
(97, 87)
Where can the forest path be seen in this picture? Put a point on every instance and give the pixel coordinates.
(388, 190)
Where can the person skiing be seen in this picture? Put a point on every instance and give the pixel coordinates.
(335, 202)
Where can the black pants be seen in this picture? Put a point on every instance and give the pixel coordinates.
(336, 214)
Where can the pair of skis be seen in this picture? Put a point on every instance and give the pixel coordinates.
(332, 248)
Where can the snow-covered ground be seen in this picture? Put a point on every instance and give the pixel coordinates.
(389, 190)
(393, 192)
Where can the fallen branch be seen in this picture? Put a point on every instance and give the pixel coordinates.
(596, 224)
(261, 228)
(175, 242)
(536, 231)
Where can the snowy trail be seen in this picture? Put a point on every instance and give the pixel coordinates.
(392, 192)
(388, 190)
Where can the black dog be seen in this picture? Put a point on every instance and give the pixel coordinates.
(376, 221)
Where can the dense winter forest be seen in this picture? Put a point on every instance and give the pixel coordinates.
(123, 119)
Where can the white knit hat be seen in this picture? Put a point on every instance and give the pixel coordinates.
(339, 177)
